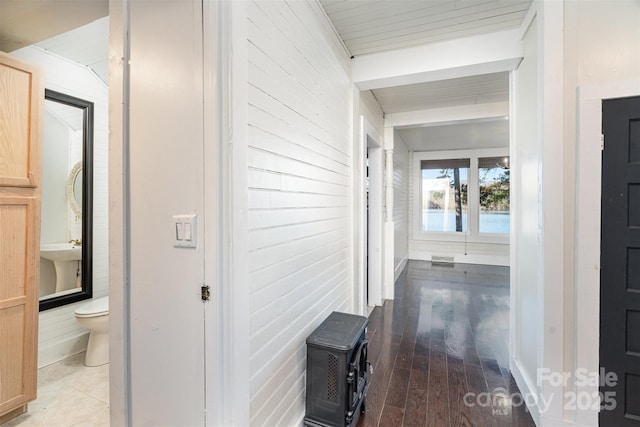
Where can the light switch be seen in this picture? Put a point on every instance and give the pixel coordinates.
(185, 231)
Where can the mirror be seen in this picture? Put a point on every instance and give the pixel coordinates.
(67, 210)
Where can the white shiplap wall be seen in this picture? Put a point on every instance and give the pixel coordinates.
(299, 174)
(59, 334)
(400, 203)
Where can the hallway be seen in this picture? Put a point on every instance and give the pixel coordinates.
(442, 342)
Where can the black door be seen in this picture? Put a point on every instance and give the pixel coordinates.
(620, 263)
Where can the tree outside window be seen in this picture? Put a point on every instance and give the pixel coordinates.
(444, 195)
(494, 194)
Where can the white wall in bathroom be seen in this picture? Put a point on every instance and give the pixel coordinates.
(59, 334)
(300, 133)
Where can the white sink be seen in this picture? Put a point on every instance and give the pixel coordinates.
(65, 257)
(61, 252)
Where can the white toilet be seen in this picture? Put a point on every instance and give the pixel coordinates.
(94, 315)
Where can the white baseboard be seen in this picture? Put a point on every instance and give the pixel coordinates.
(60, 350)
(527, 388)
(399, 268)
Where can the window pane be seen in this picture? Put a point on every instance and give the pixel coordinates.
(494, 194)
(444, 195)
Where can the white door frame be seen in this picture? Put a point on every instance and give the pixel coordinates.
(370, 271)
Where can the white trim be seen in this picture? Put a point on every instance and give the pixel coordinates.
(354, 218)
(472, 235)
(550, 330)
(216, 44)
(588, 228)
(234, 226)
(619, 89)
(473, 199)
(528, 19)
(119, 313)
(368, 273)
(527, 388)
(362, 210)
(513, 236)
(358, 207)
(373, 230)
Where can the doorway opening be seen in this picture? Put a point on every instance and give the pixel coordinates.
(74, 59)
(370, 290)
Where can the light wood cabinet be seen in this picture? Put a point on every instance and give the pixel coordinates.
(21, 104)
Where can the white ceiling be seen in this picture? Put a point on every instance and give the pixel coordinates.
(472, 90)
(369, 26)
(468, 135)
(366, 26)
(472, 134)
(87, 45)
(372, 26)
(25, 22)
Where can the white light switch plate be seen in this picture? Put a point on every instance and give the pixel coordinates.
(185, 231)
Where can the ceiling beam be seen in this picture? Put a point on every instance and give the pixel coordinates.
(494, 110)
(489, 53)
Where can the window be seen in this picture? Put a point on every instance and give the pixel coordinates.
(444, 195)
(462, 195)
(493, 178)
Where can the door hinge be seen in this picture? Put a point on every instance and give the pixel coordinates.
(205, 294)
(602, 142)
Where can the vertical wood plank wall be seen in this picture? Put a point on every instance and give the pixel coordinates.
(299, 175)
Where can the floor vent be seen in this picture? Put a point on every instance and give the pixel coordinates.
(442, 259)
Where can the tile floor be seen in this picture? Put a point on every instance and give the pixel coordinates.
(69, 394)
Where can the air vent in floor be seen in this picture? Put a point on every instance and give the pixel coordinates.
(442, 259)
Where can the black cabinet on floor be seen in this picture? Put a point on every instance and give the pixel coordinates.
(337, 378)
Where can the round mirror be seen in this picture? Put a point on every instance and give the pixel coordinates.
(74, 189)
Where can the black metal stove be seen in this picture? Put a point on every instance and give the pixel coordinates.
(337, 378)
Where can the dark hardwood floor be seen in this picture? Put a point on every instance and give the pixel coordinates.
(439, 351)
